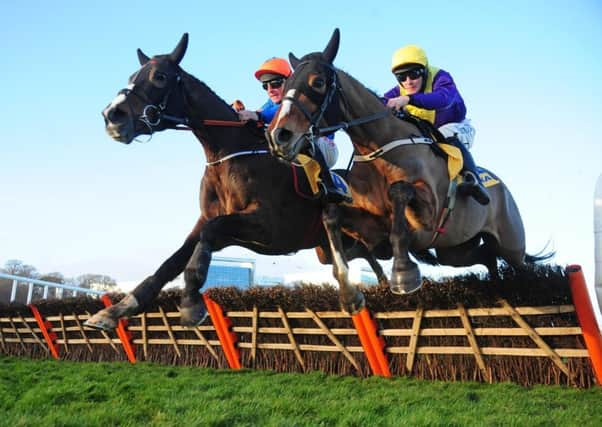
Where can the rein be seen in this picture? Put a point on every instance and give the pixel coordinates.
(223, 123)
(355, 122)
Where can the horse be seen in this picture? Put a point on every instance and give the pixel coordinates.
(247, 196)
(407, 181)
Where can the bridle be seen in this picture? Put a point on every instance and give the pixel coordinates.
(153, 114)
(335, 90)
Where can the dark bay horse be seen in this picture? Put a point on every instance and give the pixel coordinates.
(247, 196)
(406, 182)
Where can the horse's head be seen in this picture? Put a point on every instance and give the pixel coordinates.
(309, 93)
(153, 99)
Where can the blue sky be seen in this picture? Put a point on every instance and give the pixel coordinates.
(75, 201)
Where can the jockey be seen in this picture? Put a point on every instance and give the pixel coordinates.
(273, 74)
(431, 94)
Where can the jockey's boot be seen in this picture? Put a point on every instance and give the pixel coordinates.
(333, 194)
(472, 185)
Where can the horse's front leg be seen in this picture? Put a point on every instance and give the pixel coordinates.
(405, 277)
(351, 298)
(140, 298)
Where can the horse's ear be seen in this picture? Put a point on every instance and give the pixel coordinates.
(293, 60)
(142, 57)
(333, 46)
(178, 53)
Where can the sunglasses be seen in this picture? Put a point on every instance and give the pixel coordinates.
(413, 74)
(274, 84)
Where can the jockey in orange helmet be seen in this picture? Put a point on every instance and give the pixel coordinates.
(273, 74)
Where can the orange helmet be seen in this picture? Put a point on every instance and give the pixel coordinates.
(277, 66)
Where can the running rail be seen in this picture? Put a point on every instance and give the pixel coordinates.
(18, 280)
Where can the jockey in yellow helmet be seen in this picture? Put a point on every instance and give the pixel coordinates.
(431, 94)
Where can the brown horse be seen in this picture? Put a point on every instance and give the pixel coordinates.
(406, 183)
(247, 196)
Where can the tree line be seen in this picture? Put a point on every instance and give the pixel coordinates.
(17, 267)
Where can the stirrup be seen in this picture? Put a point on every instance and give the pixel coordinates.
(472, 187)
(334, 195)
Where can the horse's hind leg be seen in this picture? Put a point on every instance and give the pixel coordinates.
(356, 250)
(216, 234)
(472, 252)
(405, 277)
(141, 297)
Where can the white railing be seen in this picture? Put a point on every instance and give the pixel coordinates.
(30, 283)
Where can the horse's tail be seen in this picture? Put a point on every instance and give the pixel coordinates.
(540, 256)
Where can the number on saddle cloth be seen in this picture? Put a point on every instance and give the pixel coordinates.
(341, 184)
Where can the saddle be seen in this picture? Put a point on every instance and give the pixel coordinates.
(441, 147)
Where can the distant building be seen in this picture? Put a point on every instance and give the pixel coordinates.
(239, 272)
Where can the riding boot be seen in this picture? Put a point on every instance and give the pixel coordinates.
(333, 193)
(472, 184)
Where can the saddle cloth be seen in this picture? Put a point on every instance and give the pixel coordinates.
(312, 172)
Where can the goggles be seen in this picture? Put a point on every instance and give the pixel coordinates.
(413, 74)
(274, 84)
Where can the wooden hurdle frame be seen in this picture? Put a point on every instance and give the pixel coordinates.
(237, 331)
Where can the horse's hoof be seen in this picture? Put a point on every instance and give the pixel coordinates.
(355, 306)
(101, 322)
(193, 315)
(406, 282)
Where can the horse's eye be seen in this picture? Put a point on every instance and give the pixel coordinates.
(160, 78)
(318, 83)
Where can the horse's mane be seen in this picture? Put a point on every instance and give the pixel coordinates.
(350, 77)
(199, 90)
(219, 109)
(318, 56)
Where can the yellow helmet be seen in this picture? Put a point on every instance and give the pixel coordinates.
(410, 54)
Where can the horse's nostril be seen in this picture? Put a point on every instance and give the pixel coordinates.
(111, 114)
(283, 135)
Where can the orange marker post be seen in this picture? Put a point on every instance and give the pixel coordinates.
(124, 335)
(226, 337)
(372, 343)
(587, 319)
(46, 328)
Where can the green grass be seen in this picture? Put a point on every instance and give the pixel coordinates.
(61, 393)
